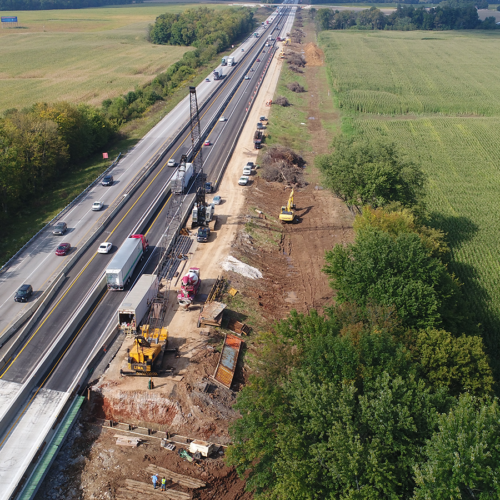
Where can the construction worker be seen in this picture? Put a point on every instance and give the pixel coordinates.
(163, 484)
(154, 477)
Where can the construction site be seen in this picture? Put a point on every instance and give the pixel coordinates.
(161, 400)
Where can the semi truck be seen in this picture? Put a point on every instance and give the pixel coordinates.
(181, 178)
(224, 61)
(120, 269)
(136, 304)
(218, 74)
(256, 35)
(231, 61)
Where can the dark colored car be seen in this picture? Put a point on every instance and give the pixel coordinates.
(107, 180)
(263, 119)
(63, 249)
(203, 234)
(260, 126)
(60, 228)
(250, 164)
(24, 293)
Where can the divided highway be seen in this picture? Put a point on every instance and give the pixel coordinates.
(38, 265)
(25, 433)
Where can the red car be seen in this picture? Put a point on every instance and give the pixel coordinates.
(63, 249)
(206, 143)
(258, 60)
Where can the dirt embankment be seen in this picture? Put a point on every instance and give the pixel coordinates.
(314, 55)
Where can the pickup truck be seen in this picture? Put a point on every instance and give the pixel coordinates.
(203, 234)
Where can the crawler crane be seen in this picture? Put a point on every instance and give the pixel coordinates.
(288, 213)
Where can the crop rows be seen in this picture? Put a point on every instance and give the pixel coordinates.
(408, 72)
(461, 158)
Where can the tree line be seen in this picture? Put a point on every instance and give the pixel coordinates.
(38, 144)
(480, 4)
(405, 18)
(202, 27)
(59, 4)
(208, 30)
(389, 393)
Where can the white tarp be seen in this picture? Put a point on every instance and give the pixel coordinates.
(235, 265)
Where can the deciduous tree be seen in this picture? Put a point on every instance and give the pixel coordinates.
(361, 173)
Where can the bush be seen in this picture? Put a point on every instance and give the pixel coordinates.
(296, 59)
(296, 87)
(282, 101)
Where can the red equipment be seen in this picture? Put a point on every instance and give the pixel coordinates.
(190, 284)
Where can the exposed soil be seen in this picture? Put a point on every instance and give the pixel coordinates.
(314, 55)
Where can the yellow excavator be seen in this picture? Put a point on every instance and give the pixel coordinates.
(144, 357)
(288, 213)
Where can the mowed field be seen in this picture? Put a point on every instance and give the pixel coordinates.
(436, 95)
(81, 55)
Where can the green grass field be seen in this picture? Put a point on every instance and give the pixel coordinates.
(436, 95)
(81, 55)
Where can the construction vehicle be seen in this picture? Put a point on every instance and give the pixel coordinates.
(257, 139)
(203, 213)
(142, 358)
(190, 285)
(288, 41)
(288, 213)
(146, 355)
(120, 269)
(282, 54)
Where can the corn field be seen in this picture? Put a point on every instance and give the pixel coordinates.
(415, 72)
(441, 101)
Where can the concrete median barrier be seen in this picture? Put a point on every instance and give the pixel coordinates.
(21, 400)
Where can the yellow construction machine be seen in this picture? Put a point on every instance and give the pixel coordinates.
(288, 213)
(146, 355)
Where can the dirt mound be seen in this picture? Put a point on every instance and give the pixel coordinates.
(314, 55)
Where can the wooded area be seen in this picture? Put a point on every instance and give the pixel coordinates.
(405, 18)
(202, 27)
(38, 144)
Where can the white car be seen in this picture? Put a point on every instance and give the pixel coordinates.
(105, 247)
(243, 180)
(247, 170)
(171, 163)
(97, 205)
(247, 77)
(222, 119)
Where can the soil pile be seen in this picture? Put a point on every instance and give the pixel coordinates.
(314, 55)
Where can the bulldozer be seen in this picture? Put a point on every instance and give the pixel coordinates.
(287, 213)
